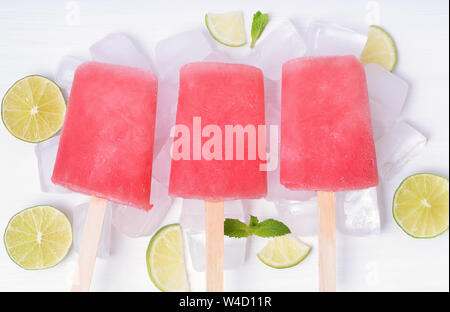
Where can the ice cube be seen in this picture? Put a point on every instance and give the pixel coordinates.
(223, 53)
(193, 213)
(276, 191)
(172, 53)
(165, 114)
(272, 98)
(281, 44)
(260, 208)
(162, 164)
(387, 94)
(330, 39)
(46, 156)
(120, 49)
(218, 56)
(136, 222)
(357, 212)
(193, 224)
(300, 216)
(397, 147)
(66, 71)
(79, 218)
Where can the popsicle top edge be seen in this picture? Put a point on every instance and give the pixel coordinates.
(307, 59)
(86, 64)
(196, 65)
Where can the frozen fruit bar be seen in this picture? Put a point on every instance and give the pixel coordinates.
(326, 132)
(223, 96)
(106, 146)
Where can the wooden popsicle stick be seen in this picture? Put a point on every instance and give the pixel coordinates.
(214, 218)
(89, 244)
(327, 242)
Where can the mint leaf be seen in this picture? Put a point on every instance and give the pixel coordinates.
(267, 228)
(270, 228)
(236, 228)
(253, 221)
(260, 22)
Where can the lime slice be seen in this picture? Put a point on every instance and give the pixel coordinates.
(165, 259)
(421, 205)
(38, 238)
(284, 252)
(379, 49)
(33, 109)
(227, 28)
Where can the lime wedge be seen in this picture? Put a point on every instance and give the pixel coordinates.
(227, 28)
(420, 205)
(380, 49)
(33, 109)
(165, 260)
(284, 252)
(38, 238)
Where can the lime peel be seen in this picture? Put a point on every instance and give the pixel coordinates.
(380, 49)
(33, 109)
(38, 238)
(421, 205)
(227, 28)
(284, 252)
(165, 260)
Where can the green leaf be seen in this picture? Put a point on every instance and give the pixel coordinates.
(267, 228)
(259, 23)
(236, 228)
(253, 221)
(270, 228)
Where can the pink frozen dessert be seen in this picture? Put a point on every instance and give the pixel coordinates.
(326, 132)
(106, 146)
(222, 97)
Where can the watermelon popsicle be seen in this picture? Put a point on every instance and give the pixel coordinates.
(215, 98)
(326, 140)
(106, 146)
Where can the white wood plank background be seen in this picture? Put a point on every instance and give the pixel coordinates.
(34, 35)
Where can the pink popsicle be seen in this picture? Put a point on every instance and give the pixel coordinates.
(106, 147)
(326, 139)
(220, 94)
(223, 96)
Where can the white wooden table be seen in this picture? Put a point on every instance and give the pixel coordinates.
(35, 35)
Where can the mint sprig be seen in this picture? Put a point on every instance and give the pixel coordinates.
(236, 228)
(259, 23)
(266, 228)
